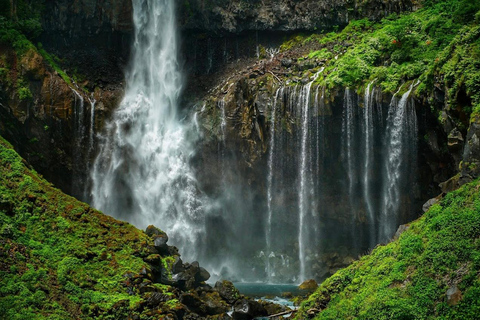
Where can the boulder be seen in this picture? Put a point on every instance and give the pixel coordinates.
(202, 275)
(401, 229)
(214, 304)
(245, 309)
(193, 303)
(227, 291)
(454, 296)
(178, 266)
(160, 239)
(308, 285)
(429, 203)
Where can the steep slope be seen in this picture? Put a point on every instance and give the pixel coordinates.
(60, 259)
(431, 271)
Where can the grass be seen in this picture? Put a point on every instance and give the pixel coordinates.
(409, 278)
(439, 43)
(60, 259)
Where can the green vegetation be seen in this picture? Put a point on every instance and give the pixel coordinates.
(52, 61)
(60, 259)
(409, 278)
(439, 42)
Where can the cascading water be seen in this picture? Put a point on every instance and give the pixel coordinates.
(401, 135)
(142, 173)
(369, 160)
(271, 154)
(79, 134)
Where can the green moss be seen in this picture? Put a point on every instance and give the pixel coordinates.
(64, 260)
(52, 61)
(408, 278)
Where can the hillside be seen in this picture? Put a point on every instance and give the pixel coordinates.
(430, 272)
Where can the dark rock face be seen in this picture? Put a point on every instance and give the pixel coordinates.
(91, 35)
(230, 16)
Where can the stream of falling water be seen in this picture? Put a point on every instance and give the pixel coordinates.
(271, 154)
(369, 160)
(142, 173)
(401, 128)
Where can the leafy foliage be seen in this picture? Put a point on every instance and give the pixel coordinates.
(439, 42)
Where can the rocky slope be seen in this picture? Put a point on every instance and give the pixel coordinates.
(60, 259)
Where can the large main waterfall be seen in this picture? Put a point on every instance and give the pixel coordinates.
(141, 173)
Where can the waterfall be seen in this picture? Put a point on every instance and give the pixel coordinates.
(401, 132)
(348, 125)
(91, 139)
(79, 137)
(271, 153)
(304, 185)
(369, 160)
(142, 172)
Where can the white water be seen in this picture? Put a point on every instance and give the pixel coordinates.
(304, 187)
(368, 161)
(142, 173)
(348, 128)
(400, 122)
(268, 233)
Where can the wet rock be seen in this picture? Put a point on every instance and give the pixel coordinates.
(454, 296)
(287, 63)
(227, 291)
(401, 229)
(202, 275)
(193, 302)
(245, 309)
(471, 155)
(455, 140)
(308, 285)
(156, 298)
(178, 266)
(273, 308)
(429, 203)
(214, 303)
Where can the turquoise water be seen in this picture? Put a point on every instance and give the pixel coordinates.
(258, 290)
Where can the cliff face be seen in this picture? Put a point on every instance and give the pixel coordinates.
(223, 17)
(91, 36)
(94, 36)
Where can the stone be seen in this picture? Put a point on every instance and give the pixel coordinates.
(429, 203)
(152, 230)
(178, 266)
(454, 296)
(214, 303)
(202, 275)
(308, 285)
(245, 309)
(287, 63)
(401, 229)
(193, 302)
(455, 140)
(227, 291)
